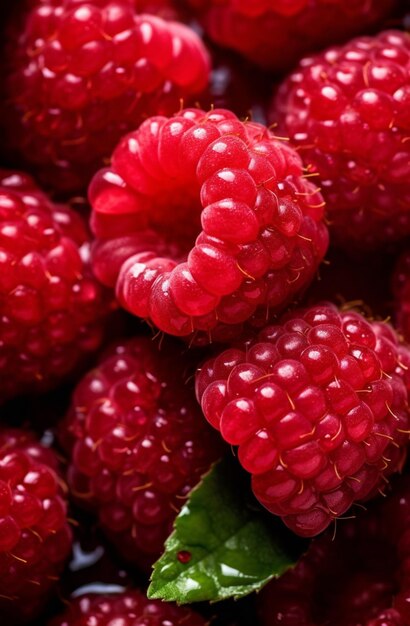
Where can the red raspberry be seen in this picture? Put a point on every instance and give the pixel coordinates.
(262, 235)
(348, 111)
(125, 609)
(277, 33)
(401, 290)
(35, 538)
(350, 579)
(51, 308)
(318, 408)
(84, 73)
(138, 445)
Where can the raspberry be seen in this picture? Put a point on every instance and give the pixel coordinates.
(52, 310)
(35, 538)
(350, 579)
(138, 445)
(262, 232)
(277, 33)
(401, 290)
(347, 111)
(84, 73)
(125, 609)
(318, 408)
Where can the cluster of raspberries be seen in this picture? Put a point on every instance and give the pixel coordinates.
(180, 281)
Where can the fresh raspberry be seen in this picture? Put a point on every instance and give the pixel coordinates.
(348, 112)
(354, 578)
(84, 73)
(401, 290)
(125, 609)
(35, 538)
(318, 408)
(277, 33)
(52, 310)
(262, 235)
(138, 445)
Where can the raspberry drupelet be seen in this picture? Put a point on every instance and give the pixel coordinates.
(356, 577)
(35, 539)
(318, 407)
(203, 220)
(130, 608)
(138, 444)
(348, 112)
(276, 34)
(52, 310)
(81, 74)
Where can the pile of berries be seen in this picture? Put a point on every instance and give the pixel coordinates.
(204, 252)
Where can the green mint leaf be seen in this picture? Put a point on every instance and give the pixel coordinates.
(223, 545)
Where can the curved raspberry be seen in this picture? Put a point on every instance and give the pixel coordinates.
(347, 110)
(35, 539)
(130, 608)
(84, 73)
(277, 33)
(318, 408)
(203, 220)
(138, 445)
(401, 291)
(52, 310)
(355, 577)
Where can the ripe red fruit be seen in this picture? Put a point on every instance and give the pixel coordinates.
(357, 576)
(277, 33)
(138, 445)
(35, 538)
(52, 310)
(84, 73)
(318, 408)
(348, 112)
(203, 220)
(130, 608)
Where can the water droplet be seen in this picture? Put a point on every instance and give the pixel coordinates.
(184, 556)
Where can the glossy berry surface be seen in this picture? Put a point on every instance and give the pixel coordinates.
(35, 538)
(357, 577)
(347, 111)
(203, 220)
(52, 310)
(125, 609)
(318, 408)
(138, 445)
(276, 34)
(81, 74)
